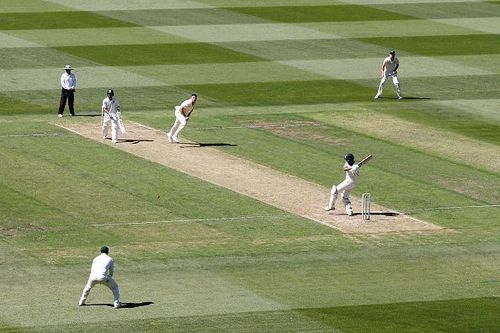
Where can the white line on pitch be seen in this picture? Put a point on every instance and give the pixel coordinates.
(238, 218)
(450, 208)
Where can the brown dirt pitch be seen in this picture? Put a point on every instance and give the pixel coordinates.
(267, 185)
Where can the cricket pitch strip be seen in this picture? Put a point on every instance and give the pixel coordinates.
(262, 183)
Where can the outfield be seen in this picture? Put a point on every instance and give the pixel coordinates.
(285, 84)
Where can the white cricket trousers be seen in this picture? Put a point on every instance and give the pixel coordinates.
(395, 80)
(114, 127)
(345, 187)
(179, 123)
(107, 281)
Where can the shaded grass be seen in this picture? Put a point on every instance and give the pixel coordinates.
(335, 13)
(440, 45)
(58, 20)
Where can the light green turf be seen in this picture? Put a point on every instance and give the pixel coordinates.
(489, 25)
(246, 32)
(94, 36)
(96, 5)
(362, 29)
(370, 67)
(20, 6)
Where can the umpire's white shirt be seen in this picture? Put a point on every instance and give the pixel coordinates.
(102, 267)
(390, 65)
(68, 81)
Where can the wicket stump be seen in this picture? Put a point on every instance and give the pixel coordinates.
(365, 206)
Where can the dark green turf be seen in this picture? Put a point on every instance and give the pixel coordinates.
(157, 54)
(10, 105)
(283, 93)
(335, 13)
(453, 316)
(444, 10)
(58, 20)
(440, 45)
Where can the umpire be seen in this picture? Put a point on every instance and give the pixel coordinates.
(68, 84)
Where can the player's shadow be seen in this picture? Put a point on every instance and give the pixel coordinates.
(86, 115)
(381, 213)
(215, 144)
(406, 97)
(134, 141)
(128, 305)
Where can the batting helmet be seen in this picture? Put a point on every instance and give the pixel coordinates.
(111, 92)
(349, 158)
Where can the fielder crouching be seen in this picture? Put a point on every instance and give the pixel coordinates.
(102, 273)
(345, 187)
(111, 114)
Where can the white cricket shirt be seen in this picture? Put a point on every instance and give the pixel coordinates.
(187, 105)
(350, 175)
(111, 105)
(390, 65)
(102, 266)
(68, 81)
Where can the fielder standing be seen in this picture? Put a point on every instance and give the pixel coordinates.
(389, 69)
(110, 114)
(68, 87)
(351, 173)
(182, 113)
(102, 273)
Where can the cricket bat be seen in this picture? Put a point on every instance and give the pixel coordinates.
(364, 160)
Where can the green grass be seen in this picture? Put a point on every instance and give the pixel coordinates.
(57, 20)
(192, 256)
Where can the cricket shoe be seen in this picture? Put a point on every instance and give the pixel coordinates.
(175, 139)
(60, 115)
(117, 305)
(350, 213)
(400, 97)
(169, 137)
(81, 303)
(377, 96)
(327, 208)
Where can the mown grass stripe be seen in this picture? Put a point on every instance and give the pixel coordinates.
(490, 25)
(245, 32)
(440, 45)
(349, 69)
(57, 20)
(334, 13)
(22, 79)
(157, 54)
(94, 36)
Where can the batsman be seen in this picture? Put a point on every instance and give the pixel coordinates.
(111, 114)
(351, 174)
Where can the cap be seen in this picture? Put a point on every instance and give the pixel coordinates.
(110, 91)
(67, 67)
(392, 52)
(104, 249)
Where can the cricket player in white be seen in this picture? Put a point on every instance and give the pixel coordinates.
(389, 69)
(182, 113)
(351, 173)
(102, 272)
(110, 114)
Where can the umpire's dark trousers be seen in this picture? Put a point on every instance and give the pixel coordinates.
(67, 94)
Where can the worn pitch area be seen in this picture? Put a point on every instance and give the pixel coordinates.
(295, 195)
